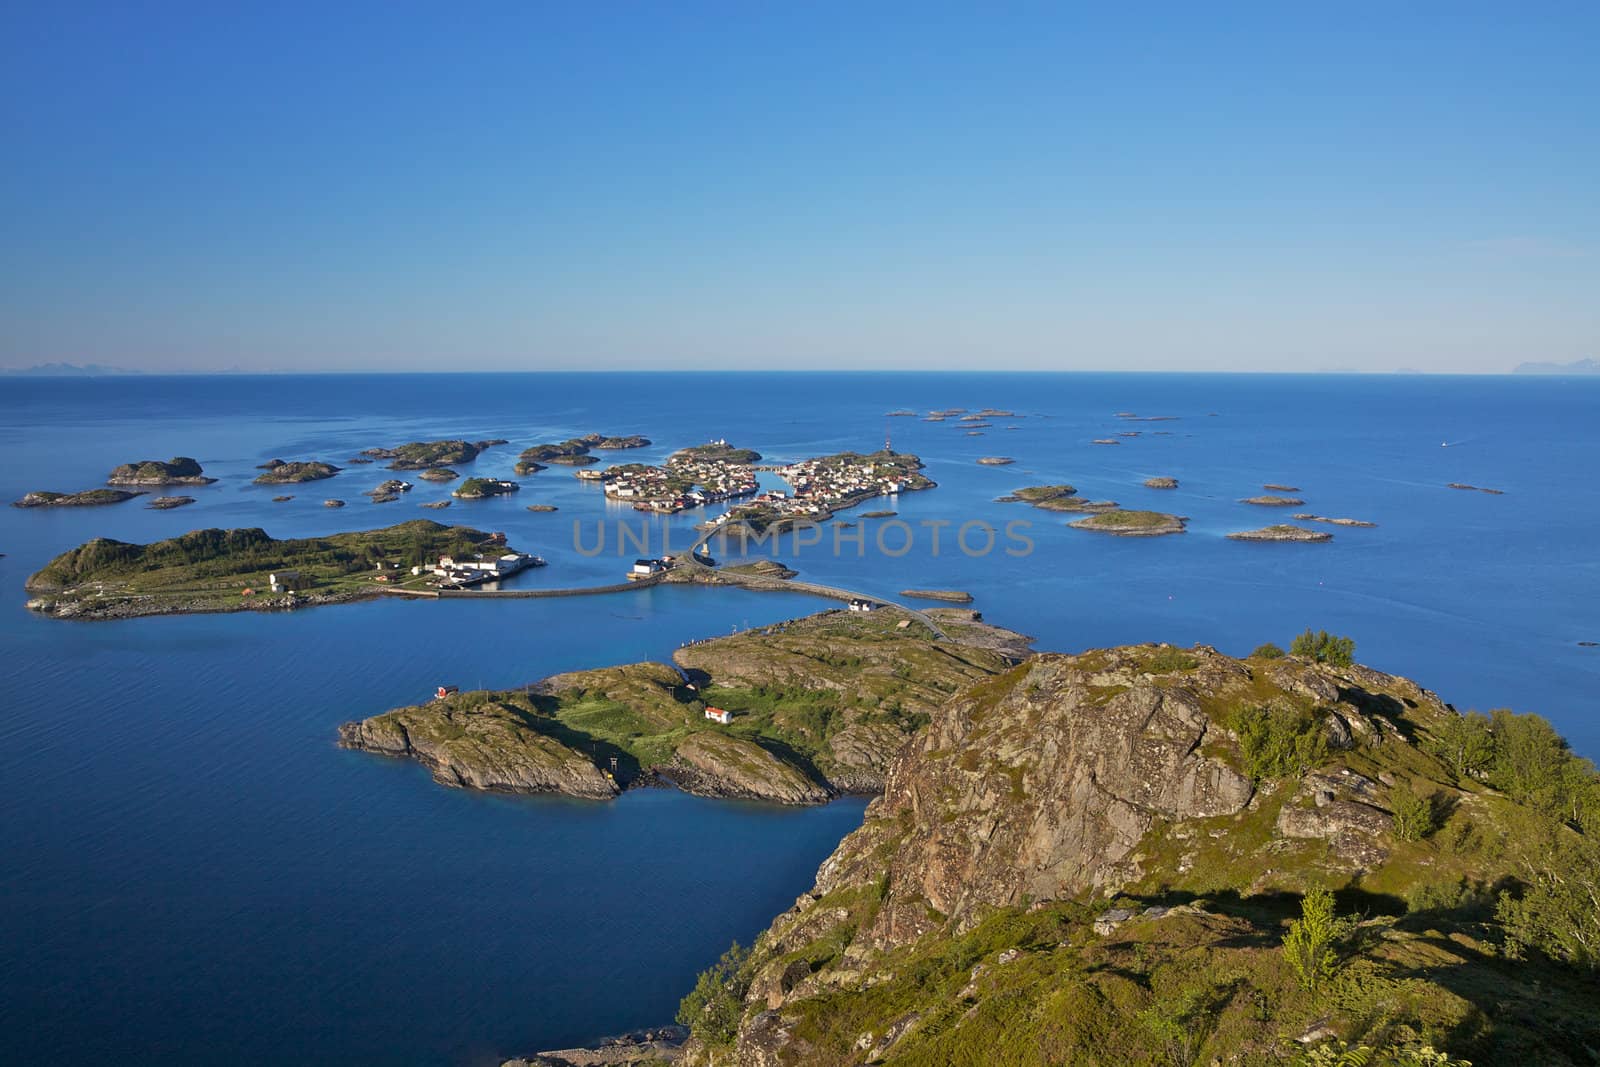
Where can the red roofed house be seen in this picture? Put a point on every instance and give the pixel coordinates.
(718, 715)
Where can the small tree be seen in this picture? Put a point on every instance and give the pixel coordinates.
(1324, 648)
(1268, 651)
(1463, 743)
(1414, 814)
(711, 1010)
(1309, 944)
(1558, 908)
(1278, 741)
(1530, 759)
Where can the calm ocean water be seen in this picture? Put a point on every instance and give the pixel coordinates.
(193, 873)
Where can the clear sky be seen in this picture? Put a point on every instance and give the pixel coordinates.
(346, 186)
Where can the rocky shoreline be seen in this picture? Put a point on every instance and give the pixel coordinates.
(146, 607)
(949, 596)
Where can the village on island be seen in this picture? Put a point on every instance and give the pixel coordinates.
(697, 477)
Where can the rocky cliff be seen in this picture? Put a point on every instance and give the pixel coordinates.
(1089, 859)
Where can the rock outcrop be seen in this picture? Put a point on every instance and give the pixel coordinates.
(469, 741)
(1055, 824)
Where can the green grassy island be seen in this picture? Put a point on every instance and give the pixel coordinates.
(211, 570)
(483, 488)
(1126, 523)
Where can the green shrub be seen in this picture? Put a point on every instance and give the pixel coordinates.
(1558, 908)
(1339, 1054)
(1278, 741)
(1310, 945)
(1463, 743)
(1530, 759)
(1414, 814)
(711, 1009)
(1324, 648)
(1268, 651)
(1171, 659)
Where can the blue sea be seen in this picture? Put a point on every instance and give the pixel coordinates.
(192, 873)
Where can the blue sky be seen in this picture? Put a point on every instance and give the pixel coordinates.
(615, 185)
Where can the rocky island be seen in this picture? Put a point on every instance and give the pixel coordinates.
(574, 452)
(1305, 516)
(438, 474)
(949, 596)
(279, 472)
(180, 470)
(1129, 523)
(167, 503)
(421, 455)
(483, 488)
(1281, 532)
(815, 707)
(240, 570)
(44, 498)
(1273, 501)
(1161, 483)
(1124, 857)
(1059, 498)
(995, 461)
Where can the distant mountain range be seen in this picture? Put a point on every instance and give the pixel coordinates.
(67, 370)
(1577, 366)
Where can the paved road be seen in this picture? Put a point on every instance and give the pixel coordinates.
(695, 571)
(699, 571)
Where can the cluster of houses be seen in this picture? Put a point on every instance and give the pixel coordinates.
(834, 481)
(821, 486)
(459, 573)
(687, 481)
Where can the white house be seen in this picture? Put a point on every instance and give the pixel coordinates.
(647, 566)
(858, 604)
(718, 715)
(284, 581)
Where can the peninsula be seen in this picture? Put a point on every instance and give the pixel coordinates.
(793, 713)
